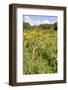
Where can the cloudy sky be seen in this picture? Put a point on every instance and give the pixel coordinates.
(37, 20)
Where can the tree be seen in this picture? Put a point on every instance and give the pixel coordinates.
(55, 26)
(45, 26)
(26, 26)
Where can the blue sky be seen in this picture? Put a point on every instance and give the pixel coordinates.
(37, 20)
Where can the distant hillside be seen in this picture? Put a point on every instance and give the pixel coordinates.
(27, 26)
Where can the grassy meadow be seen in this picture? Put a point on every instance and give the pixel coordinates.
(39, 49)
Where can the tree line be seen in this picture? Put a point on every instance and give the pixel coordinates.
(27, 26)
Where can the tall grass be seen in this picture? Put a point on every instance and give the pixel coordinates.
(40, 52)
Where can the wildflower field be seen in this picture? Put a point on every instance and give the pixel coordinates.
(39, 51)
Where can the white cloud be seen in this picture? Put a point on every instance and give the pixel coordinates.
(26, 19)
(32, 22)
(46, 22)
(53, 22)
(36, 22)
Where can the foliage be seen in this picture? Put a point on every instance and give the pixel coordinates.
(26, 26)
(40, 51)
(55, 26)
(45, 26)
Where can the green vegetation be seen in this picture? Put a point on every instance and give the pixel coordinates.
(40, 49)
